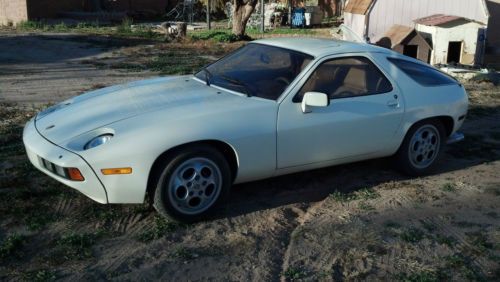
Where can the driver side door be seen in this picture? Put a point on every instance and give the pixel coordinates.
(364, 113)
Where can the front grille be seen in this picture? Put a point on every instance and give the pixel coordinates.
(52, 167)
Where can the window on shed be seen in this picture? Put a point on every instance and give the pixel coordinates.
(422, 74)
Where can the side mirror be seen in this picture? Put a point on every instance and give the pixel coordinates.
(314, 99)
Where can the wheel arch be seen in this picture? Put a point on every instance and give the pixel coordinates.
(447, 122)
(226, 149)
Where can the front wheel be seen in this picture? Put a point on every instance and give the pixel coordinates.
(192, 183)
(421, 148)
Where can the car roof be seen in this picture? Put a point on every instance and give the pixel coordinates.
(318, 47)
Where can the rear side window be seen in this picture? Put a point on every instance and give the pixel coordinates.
(424, 75)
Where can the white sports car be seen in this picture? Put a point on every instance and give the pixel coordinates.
(272, 107)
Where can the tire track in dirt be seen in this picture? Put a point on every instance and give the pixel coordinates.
(131, 223)
(65, 205)
(415, 203)
(304, 214)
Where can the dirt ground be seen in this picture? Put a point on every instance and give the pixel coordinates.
(362, 221)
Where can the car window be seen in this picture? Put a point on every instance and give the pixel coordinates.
(257, 70)
(346, 77)
(424, 75)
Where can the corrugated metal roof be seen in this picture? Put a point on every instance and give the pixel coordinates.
(438, 19)
(397, 33)
(358, 6)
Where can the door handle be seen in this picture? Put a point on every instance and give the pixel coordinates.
(393, 104)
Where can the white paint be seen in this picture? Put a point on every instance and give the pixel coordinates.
(268, 137)
(357, 23)
(312, 100)
(465, 32)
(386, 13)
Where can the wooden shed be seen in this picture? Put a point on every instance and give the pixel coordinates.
(373, 18)
(407, 41)
(455, 40)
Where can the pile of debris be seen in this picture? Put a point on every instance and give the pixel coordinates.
(173, 31)
(470, 74)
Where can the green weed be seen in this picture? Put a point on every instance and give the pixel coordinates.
(365, 206)
(343, 197)
(167, 64)
(39, 275)
(11, 245)
(455, 261)
(125, 26)
(429, 226)
(61, 27)
(367, 194)
(32, 25)
(74, 246)
(446, 240)
(38, 220)
(392, 224)
(449, 187)
(160, 227)
(412, 235)
(362, 194)
(424, 276)
(466, 224)
(282, 30)
(294, 273)
(182, 253)
(129, 67)
(480, 241)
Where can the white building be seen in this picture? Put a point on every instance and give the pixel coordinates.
(454, 39)
(372, 19)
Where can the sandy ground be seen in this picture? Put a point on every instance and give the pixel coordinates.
(48, 68)
(361, 221)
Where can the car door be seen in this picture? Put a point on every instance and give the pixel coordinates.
(364, 113)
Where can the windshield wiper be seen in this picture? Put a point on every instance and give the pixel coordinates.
(239, 83)
(208, 76)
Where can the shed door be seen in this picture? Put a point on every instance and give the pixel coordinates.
(454, 52)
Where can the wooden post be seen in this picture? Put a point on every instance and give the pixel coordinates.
(208, 15)
(181, 29)
(262, 16)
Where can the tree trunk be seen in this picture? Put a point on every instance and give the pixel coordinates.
(242, 10)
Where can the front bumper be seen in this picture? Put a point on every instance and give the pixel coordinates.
(38, 148)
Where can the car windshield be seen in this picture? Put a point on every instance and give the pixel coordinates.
(256, 70)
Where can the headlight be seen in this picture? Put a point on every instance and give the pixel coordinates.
(97, 141)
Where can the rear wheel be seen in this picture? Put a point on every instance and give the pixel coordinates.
(192, 183)
(421, 148)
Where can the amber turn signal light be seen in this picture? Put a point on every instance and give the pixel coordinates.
(75, 174)
(121, 170)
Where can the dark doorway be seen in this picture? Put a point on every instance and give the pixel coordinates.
(454, 51)
(410, 51)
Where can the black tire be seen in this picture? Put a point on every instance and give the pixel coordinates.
(403, 160)
(166, 200)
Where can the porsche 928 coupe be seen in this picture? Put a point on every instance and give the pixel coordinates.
(272, 107)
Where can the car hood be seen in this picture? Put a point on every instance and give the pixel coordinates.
(99, 108)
